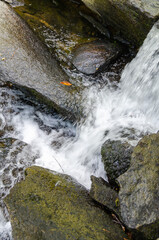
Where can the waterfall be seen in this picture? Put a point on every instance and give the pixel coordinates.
(124, 113)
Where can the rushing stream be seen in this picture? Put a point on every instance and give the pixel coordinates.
(125, 113)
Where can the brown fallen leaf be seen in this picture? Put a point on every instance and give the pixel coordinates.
(66, 83)
(106, 230)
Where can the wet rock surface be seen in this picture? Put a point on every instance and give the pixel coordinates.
(116, 157)
(94, 57)
(48, 205)
(59, 25)
(131, 19)
(26, 62)
(14, 3)
(102, 192)
(139, 188)
(13, 154)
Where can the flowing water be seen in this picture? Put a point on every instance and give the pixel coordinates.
(126, 113)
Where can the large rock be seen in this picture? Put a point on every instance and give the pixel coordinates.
(93, 57)
(131, 18)
(102, 192)
(48, 205)
(26, 62)
(116, 157)
(139, 188)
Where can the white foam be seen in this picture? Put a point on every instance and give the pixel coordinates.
(5, 227)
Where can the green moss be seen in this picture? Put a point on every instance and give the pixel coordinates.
(62, 21)
(53, 206)
(142, 185)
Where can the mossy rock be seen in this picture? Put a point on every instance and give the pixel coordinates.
(48, 205)
(139, 189)
(131, 20)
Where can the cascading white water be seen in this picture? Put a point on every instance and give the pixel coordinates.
(123, 113)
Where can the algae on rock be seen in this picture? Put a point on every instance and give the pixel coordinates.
(48, 205)
(59, 25)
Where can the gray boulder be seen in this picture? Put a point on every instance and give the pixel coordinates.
(91, 58)
(132, 19)
(28, 64)
(139, 189)
(48, 205)
(116, 157)
(102, 192)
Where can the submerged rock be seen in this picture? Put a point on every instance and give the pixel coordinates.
(48, 205)
(116, 157)
(102, 192)
(91, 58)
(139, 189)
(27, 63)
(131, 19)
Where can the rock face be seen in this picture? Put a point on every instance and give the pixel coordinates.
(91, 58)
(26, 62)
(48, 205)
(116, 157)
(139, 188)
(131, 18)
(102, 192)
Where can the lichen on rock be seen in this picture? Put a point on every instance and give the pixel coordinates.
(48, 205)
(139, 188)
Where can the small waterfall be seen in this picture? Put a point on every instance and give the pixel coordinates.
(125, 113)
(140, 79)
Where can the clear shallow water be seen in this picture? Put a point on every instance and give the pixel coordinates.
(125, 113)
